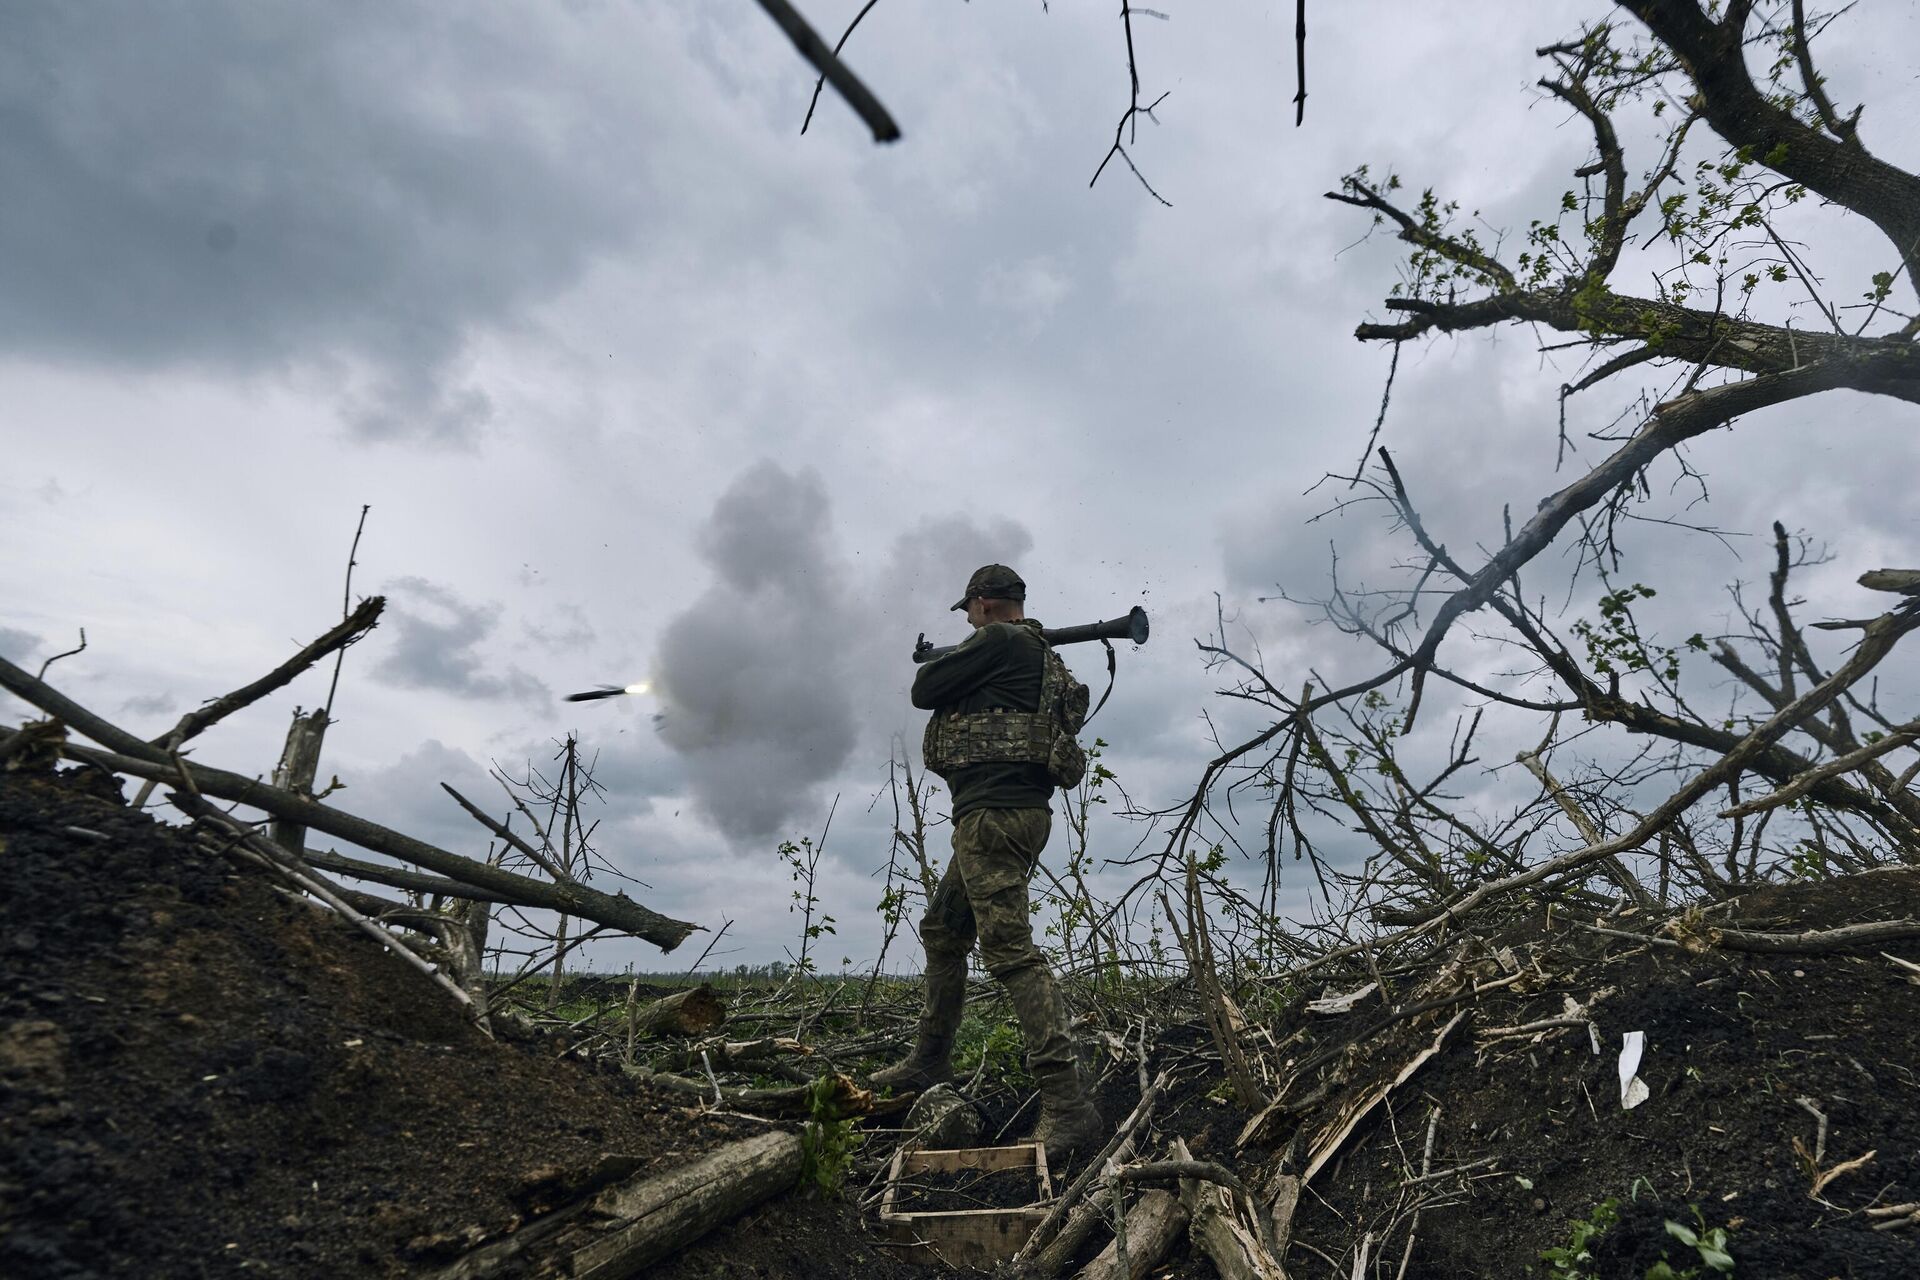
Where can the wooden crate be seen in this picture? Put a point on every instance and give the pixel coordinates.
(965, 1237)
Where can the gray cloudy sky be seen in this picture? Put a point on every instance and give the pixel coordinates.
(640, 383)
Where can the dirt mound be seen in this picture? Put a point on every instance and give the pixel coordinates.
(1767, 1073)
(200, 1076)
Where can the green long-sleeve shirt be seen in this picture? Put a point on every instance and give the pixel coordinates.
(999, 665)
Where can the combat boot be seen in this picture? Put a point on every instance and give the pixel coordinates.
(1069, 1122)
(931, 1061)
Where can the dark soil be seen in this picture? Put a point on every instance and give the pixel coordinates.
(947, 1191)
(201, 1077)
(1734, 1042)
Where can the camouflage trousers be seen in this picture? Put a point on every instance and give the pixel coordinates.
(983, 896)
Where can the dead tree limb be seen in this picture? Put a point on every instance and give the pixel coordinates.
(1224, 1019)
(1050, 1226)
(838, 45)
(836, 72)
(65, 653)
(1816, 941)
(130, 755)
(1086, 1215)
(798, 1102)
(404, 878)
(734, 1055)
(287, 865)
(611, 910)
(1900, 737)
(1584, 824)
(1877, 640)
(341, 634)
(500, 829)
(1237, 1252)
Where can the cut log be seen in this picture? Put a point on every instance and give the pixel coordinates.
(1217, 1230)
(1155, 1222)
(692, 1012)
(652, 1218)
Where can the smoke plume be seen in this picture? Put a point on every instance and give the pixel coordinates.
(792, 658)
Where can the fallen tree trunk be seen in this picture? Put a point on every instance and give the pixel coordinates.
(128, 754)
(1155, 1222)
(612, 910)
(684, 1013)
(650, 1219)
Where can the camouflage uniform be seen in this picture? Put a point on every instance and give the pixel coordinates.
(984, 894)
(1000, 825)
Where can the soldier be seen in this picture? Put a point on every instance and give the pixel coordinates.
(1003, 707)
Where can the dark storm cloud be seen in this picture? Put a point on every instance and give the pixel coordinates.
(937, 554)
(432, 638)
(778, 673)
(257, 188)
(17, 645)
(406, 796)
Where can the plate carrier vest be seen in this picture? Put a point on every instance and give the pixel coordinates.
(1004, 735)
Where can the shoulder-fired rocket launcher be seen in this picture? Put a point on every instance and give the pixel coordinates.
(1132, 626)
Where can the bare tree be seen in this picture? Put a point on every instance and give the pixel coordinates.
(554, 811)
(1714, 340)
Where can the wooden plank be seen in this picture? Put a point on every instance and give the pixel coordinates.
(981, 1238)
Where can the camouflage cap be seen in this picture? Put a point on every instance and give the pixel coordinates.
(993, 582)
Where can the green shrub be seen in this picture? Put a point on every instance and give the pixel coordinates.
(827, 1142)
